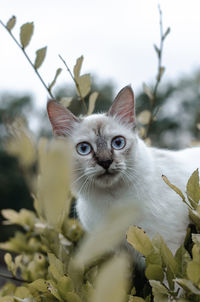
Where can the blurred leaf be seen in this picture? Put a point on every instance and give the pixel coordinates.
(193, 267)
(111, 283)
(188, 286)
(157, 50)
(139, 240)
(55, 267)
(24, 217)
(161, 72)
(84, 83)
(144, 117)
(136, 299)
(66, 101)
(154, 272)
(182, 258)
(148, 92)
(77, 67)
(53, 182)
(58, 71)
(193, 188)
(158, 288)
(26, 32)
(92, 100)
(72, 297)
(39, 284)
(40, 56)
(195, 217)
(166, 33)
(10, 264)
(11, 23)
(168, 258)
(196, 239)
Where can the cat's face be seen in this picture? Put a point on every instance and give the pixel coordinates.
(103, 143)
(103, 151)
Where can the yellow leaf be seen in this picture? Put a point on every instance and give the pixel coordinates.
(40, 56)
(11, 23)
(173, 187)
(84, 83)
(53, 182)
(144, 117)
(193, 187)
(92, 100)
(77, 67)
(58, 71)
(111, 284)
(154, 272)
(66, 101)
(139, 240)
(26, 32)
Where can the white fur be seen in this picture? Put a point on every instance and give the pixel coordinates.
(159, 208)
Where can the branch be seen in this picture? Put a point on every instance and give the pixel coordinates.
(160, 71)
(29, 60)
(76, 83)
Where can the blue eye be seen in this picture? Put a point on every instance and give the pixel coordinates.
(118, 142)
(83, 148)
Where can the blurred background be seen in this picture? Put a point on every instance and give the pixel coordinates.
(116, 39)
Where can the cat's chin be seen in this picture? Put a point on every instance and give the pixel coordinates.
(107, 179)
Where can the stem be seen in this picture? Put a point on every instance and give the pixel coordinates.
(29, 60)
(158, 76)
(12, 278)
(76, 83)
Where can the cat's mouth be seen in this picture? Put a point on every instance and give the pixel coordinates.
(107, 173)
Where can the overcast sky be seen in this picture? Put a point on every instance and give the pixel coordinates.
(116, 38)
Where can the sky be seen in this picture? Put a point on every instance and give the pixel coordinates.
(115, 37)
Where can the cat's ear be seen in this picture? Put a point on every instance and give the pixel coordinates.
(123, 106)
(62, 120)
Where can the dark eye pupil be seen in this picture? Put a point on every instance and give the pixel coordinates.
(83, 148)
(118, 142)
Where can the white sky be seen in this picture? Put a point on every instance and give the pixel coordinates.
(115, 37)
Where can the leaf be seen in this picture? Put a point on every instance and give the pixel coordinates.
(157, 49)
(148, 92)
(154, 272)
(139, 240)
(66, 101)
(92, 100)
(11, 23)
(84, 84)
(111, 283)
(26, 32)
(166, 33)
(193, 187)
(196, 239)
(77, 67)
(158, 287)
(173, 187)
(188, 286)
(144, 117)
(55, 267)
(168, 258)
(136, 299)
(195, 217)
(58, 71)
(161, 72)
(53, 182)
(72, 297)
(182, 257)
(193, 272)
(40, 285)
(40, 56)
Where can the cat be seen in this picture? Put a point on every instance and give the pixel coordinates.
(114, 166)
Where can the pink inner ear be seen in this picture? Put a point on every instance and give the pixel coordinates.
(124, 106)
(62, 120)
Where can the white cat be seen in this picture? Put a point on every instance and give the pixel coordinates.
(114, 166)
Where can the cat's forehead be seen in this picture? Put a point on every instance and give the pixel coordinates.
(97, 125)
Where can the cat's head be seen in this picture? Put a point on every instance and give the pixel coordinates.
(103, 143)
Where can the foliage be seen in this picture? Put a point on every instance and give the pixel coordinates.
(54, 263)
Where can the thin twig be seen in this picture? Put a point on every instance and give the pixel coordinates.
(76, 83)
(29, 60)
(158, 76)
(12, 278)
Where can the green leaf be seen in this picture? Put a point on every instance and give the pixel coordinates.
(188, 286)
(72, 297)
(64, 286)
(77, 67)
(136, 299)
(40, 285)
(40, 56)
(154, 272)
(193, 188)
(157, 49)
(11, 23)
(168, 258)
(182, 257)
(139, 240)
(196, 239)
(58, 71)
(55, 267)
(193, 272)
(195, 217)
(166, 33)
(158, 287)
(84, 83)
(92, 100)
(26, 32)
(173, 187)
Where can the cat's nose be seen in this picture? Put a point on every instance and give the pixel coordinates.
(105, 163)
